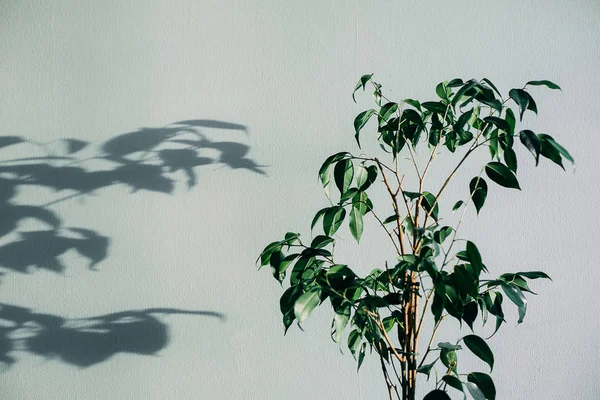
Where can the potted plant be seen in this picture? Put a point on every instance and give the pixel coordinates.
(434, 274)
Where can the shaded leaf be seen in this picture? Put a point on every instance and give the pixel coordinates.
(485, 383)
(532, 142)
(502, 175)
(475, 391)
(437, 394)
(546, 83)
(479, 189)
(360, 121)
(306, 303)
(332, 220)
(343, 173)
(480, 348)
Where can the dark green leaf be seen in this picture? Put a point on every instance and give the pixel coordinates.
(356, 223)
(474, 257)
(430, 205)
(484, 382)
(552, 150)
(306, 304)
(354, 341)
(449, 346)
(361, 83)
(502, 175)
(426, 369)
(441, 234)
(457, 205)
(510, 120)
(318, 216)
(480, 348)
(387, 110)
(470, 313)
(391, 218)
(441, 90)
(437, 394)
(361, 355)
(332, 220)
(498, 122)
(360, 121)
(491, 85)
(321, 241)
(520, 97)
(532, 142)
(466, 87)
(534, 275)
(286, 305)
(479, 189)
(510, 158)
(371, 176)
(453, 381)
(411, 195)
(456, 82)
(343, 174)
(546, 83)
(435, 106)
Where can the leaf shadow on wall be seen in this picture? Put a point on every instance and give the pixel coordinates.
(149, 159)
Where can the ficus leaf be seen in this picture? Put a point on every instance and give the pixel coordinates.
(360, 121)
(484, 382)
(546, 83)
(479, 189)
(521, 98)
(306, 304)
(361, 83)
(387, 110)
(532, 142)
(510, 158)
(437, 394)
(356, 223)
(343, 173)
(480, 348)
(502, 175)
(453, 381)
(475, 391)
(332, 219)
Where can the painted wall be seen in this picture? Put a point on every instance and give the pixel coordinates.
(123, 280)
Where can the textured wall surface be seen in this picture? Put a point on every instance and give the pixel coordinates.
(149, 150)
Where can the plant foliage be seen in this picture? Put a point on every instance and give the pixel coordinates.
(436, 273)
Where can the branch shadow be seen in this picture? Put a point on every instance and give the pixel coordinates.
(84, 342)
(149, 159)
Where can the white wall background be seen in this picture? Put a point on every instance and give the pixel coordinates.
(285, 70)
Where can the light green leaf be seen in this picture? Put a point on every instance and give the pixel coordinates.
(340, 320)
(306, 304)
(480, 348)
(356, 223)
(332, 220)
(502, 175)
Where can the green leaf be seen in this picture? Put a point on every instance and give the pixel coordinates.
(332, 220)
(340, 320)
(318, 216)
(532, 142)
(457, 205)
(502, 175)
(371, 175)
(498, 122)
(534, 275)
(491, 85)
(361, 83)
(437, 394)
(474, 257)
(440, 235)
(465, 88)
(413, 103)
(343, 173)
(520, 97)
(480, 348)
(470, 313)
(321, 241)
(324, 171)
(387, 110)
(516, 296)
(453, 381)
(391, 218)
(426, 369)
(430, 205)
(449, 359)
(510, 158)
(361, 355)
(510, 120)
(553, 151)
(475, 391)
(546, 83)
(479, 189)
(306, 304)
(435, 106)
(484, 382)
(356, 223)
(442, 90)
(360, 121)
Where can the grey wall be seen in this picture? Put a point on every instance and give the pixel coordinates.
(173, 307)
